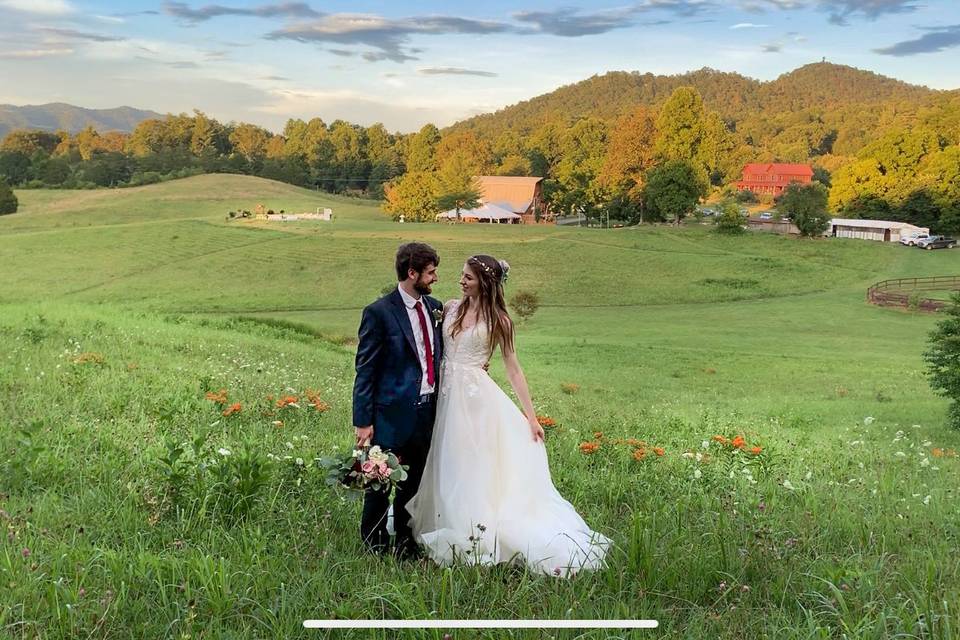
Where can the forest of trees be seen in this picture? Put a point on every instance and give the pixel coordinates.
(883, 147)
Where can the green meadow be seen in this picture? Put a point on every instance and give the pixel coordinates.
(132, 506)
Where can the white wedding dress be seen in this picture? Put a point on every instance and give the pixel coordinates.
(486, 496)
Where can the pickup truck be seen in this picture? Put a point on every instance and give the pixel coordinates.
(936, 242)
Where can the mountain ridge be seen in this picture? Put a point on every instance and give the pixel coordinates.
(53, 116)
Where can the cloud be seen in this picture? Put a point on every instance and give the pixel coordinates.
(388, 37)
(35, 53)
(455, 71)
(45, 7)
(275, 78)
(772, 47)
(841, 11)
(396, 113)
(182, 64)
(571, 22)
(936, 39)
(284, 9)
(73, 34)
(748, 25)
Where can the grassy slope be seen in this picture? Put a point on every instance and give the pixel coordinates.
(779, 346)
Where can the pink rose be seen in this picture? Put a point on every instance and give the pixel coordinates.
(383, 468)
(387, 472)
(368, 467)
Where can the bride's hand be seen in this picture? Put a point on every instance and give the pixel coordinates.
(536, 430)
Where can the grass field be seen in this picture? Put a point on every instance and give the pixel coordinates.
(121, 309)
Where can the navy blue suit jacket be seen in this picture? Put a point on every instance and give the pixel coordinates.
(387, 385)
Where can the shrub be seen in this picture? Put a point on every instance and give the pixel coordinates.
(525, 304)
(8, 199)
(730, 220)
(943, 359)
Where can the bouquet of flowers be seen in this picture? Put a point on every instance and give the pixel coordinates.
(366, 467)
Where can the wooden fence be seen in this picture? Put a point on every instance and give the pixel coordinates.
(898, 292)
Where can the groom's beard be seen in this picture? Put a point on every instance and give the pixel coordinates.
(423, 288)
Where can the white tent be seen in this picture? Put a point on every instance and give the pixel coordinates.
(488, 211)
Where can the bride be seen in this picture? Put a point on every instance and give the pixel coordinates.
(486, 495)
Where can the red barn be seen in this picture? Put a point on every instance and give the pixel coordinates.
(773, 178)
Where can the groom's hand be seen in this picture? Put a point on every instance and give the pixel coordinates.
(364, 435)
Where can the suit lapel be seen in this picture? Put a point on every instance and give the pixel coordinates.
(400, 313)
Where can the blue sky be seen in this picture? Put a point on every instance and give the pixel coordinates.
(408, 63)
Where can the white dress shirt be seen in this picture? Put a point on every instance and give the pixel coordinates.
(410, 303)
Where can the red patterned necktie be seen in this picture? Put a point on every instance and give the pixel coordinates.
(426, 342)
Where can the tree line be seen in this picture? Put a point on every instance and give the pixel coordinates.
(649, 164)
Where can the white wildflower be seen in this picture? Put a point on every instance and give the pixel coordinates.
(900, 454)
(299, 462)
(289, 445)
(705, 444)
(808, 476)
(697, 474)
(868, 420)
(926, 500)
(224, 451)
(788, 485)
(688, 454)
(925, 462)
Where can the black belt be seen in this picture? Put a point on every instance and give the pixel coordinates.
(426, 398)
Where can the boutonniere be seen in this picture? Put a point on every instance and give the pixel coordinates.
(437, 317)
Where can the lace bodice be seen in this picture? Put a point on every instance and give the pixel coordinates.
(470, 347)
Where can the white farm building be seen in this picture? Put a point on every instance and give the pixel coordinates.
(879, 230)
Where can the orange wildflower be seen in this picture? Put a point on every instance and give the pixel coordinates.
(738, 442)
(756, 450)
(598, 435)
(659, 451)
(219, 397)
(937, 452)
(720, 439)
(633, 442)
(639, 454)
(287, 401)
(546, 421)
(89, 358)
(589, 447)
(314, 398)
(232, 409)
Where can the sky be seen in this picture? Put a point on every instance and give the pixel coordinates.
(408, 63)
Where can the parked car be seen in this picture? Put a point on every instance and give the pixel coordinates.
(936, 242)
(766, 215)
(912, 239)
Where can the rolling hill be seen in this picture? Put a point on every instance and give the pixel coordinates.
(817, 86)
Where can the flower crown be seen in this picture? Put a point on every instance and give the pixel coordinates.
(490, 271)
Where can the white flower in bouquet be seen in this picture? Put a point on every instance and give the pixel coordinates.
(376, 454)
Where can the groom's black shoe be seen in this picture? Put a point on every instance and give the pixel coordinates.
(407, 550)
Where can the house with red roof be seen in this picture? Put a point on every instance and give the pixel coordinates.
(772, 177)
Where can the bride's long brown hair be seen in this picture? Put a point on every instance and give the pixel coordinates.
(492, 307)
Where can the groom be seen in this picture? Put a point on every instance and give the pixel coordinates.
(395, 391)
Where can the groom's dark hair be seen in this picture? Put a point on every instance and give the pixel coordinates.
(416, 256)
